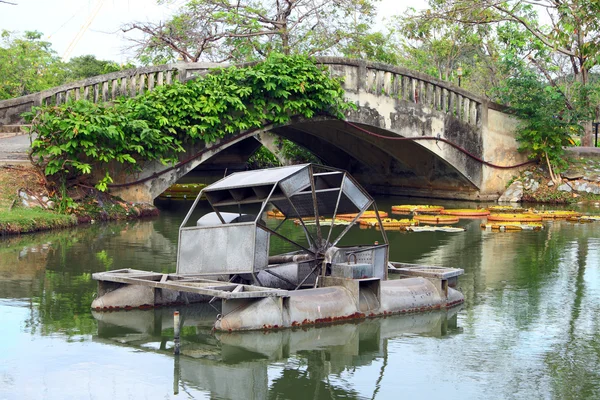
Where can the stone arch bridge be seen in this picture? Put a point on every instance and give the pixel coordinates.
(392, 103)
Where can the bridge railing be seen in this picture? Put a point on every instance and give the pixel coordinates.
(387, 80)
(376, 78)
(103, 88)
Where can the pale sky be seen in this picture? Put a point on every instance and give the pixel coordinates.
(62, 20)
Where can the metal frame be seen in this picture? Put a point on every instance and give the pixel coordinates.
(289, 185)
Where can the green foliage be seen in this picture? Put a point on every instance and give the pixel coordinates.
(373, 46)
(22, 220)
(64, 203)
(563, 50)
(80, 138)
(83, 67)
(263, 158)
(27, 64)
(437, 47)
(295, 153)
(547, 125)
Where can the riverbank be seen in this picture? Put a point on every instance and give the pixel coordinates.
(26, 206)
(580, 182)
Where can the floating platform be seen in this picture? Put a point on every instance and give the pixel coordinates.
(250, 307)
(226, 257)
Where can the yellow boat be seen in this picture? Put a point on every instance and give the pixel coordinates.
(275, 213)
(437, 219)
(513, 226)
(558, 214)
(388, 222)
(466, 212)
(416, 208)
(515, 217)
(182, 191)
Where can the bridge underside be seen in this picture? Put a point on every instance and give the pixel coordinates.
(382, 166)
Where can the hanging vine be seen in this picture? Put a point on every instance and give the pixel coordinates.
(78, 141)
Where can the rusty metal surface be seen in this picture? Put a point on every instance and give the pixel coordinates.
(426, 271)
(191, 284)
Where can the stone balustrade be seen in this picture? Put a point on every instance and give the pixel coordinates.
(401, 83)
(375, 78)
(103, 88)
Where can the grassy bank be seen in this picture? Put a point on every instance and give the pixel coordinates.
(15, 218)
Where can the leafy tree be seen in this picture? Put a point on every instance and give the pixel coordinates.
(437, 47)
(573, 34)
(547, 125)
(550, 109)
(373, 46)
(27, 64)
(263, 158)
(87, 66)
(222, 30)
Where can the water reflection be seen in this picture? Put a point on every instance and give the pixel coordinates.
(531, 322)
(53, 270)
(239, 365)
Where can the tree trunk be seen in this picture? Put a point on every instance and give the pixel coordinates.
(588, 135)
(587, 126)
(285, 41)
(554, 176)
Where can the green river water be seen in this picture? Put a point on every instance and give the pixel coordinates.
(529, 328)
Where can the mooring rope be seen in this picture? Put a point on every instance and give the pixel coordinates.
(440, 139)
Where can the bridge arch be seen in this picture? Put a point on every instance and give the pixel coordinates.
(404, 167)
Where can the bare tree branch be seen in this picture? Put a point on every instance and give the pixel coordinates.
(205, 29)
